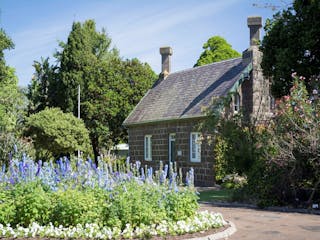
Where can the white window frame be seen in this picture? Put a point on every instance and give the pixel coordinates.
(148, 147)
(195, 147)
(236, 102)
(172, 138)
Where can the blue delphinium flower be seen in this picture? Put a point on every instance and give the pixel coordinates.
(142, 176)
(39, 168)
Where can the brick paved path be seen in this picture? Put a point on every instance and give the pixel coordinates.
(265, 225)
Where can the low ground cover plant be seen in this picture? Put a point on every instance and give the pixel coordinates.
(43, 198)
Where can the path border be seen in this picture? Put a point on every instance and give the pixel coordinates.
(220, 235)
(272, 209)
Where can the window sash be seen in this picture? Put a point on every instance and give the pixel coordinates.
(172, 138)
(147, 148)
(195, 147)
(236, 103)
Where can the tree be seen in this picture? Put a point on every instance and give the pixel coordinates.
(55, 133)
(291, 44)
(296, 137)
(11, 107)
(216, 49)
(42, 92)
(10, 96)
(84, 49)
(110, 86)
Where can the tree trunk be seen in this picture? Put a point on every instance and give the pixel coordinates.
(95, 149)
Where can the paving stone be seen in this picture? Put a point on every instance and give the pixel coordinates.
(253, 224)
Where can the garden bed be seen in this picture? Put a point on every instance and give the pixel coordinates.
(80, 200)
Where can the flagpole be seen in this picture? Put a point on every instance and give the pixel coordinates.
(78, 113)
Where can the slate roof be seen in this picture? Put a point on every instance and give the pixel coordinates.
(183, 94)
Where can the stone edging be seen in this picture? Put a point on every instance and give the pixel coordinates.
(220, 235)
(252, 206)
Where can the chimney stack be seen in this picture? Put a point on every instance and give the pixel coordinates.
(165, 52)
(254, 24)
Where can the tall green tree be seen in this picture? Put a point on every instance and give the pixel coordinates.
(85, 48)
(216, 49)
(10, 95)
(110, 86)
(292, 44)
(10, 101)
(42, 90)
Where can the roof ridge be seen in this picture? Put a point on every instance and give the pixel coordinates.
(214, 63)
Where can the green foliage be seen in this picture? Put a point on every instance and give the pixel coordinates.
(12, 146)
(291, 45)
(129, 203)
(221, 165)
(10, 96)
(31, 204)
(110, 86)
(11, 102)
(216, 49)
(5, 44)
(233, 143)
(135, 204)
(7, 208)
(56, 133)
(181, 205)
(289, 173)
(42, 90)
(73, 206)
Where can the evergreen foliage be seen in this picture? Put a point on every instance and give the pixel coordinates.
(291, 44)
(110, 86)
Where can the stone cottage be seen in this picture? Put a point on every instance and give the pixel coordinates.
(164, 125)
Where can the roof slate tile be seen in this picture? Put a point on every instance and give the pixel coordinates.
(183, 94)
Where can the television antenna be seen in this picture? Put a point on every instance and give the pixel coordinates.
(273, 7)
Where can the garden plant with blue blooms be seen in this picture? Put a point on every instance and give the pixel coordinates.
(77, 199)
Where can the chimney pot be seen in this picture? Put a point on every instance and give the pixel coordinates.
(165, 52)
(254, 24)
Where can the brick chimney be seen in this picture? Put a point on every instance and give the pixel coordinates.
(254, 24)
(255, 91)
(165, 52)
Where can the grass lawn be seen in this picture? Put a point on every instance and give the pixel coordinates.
(216, 195)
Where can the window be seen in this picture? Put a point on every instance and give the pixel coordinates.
(195, 147)
(172, 147)
(236, 102)
(147, 148)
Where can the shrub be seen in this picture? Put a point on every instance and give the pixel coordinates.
(135, 204)
(31, 204)
(181, 205)
(76, 206)
(7, 208)
(289, 172)
(55, 133)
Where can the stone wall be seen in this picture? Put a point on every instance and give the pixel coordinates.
(255, 93)
(204, 171)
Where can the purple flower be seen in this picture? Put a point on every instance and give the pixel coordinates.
(39, 167)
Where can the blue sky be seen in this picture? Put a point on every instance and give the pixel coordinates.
(137, 27)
